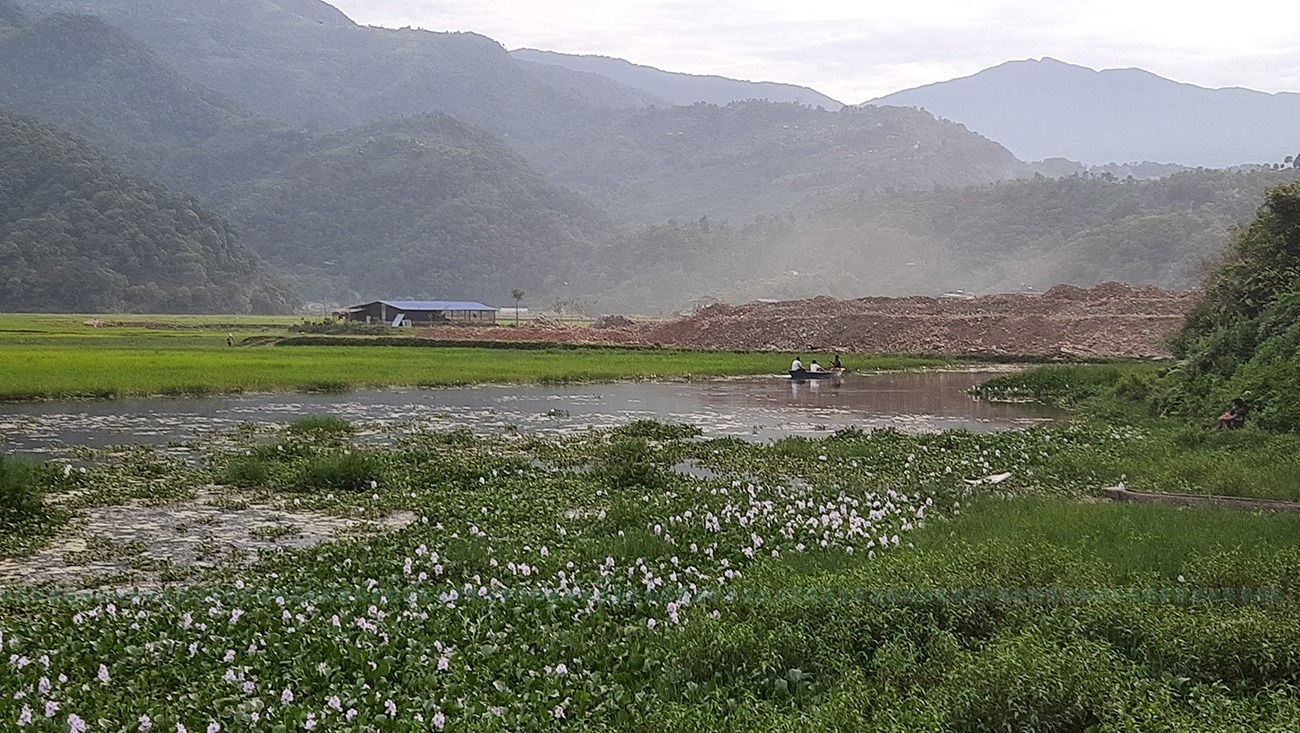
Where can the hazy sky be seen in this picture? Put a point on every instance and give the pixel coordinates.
(855, 51)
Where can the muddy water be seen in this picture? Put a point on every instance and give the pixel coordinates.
(130, 545)
(762, 408)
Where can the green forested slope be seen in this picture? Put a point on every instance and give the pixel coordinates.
(419, 207)
(1029, 233)
(305, 63)
(759, 157)
(76, 234)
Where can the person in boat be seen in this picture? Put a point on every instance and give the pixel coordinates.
(815, 367)
(1235, 417)
(836, 364)
(796, 365)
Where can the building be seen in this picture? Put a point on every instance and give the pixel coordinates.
(419, 312)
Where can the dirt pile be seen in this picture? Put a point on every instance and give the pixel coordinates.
(1108, 320)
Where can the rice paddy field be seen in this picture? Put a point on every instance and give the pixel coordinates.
(63, 357)
(643, 577)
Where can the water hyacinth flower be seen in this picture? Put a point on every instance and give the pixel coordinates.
(25, 717)
(145, 723)
(439, 720)
(76, 724)
(51, 707)
(214, 727)
(390, 707)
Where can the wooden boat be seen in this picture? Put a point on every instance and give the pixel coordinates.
(801, 375)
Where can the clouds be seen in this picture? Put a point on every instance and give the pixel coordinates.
(856, 51)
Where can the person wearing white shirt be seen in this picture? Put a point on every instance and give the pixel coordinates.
(796, 365)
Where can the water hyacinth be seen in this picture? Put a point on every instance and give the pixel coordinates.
(429, 618)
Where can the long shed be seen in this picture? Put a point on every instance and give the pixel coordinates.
(396, 312)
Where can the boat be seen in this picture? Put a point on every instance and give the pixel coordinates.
(801, 375)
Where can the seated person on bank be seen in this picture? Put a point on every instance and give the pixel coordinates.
(1235, 417)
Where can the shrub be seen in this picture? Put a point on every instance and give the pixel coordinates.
(321, 425)
(351, 471)
(20, 489)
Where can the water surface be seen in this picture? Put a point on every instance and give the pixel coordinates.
(753, 408)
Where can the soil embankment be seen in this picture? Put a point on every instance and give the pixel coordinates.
(1108, 320)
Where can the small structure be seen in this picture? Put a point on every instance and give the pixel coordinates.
(424, 312)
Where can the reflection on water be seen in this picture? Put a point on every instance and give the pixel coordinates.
(761, 408)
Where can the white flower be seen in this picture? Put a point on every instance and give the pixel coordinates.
(559, 711)
(439, 720)
(286, 697)
(561, 669)
(335, 702)
(103, 674)
(51, 708)
(390, 707)
(25, 717)
(214, 727)
(76, 724)
(145, 723)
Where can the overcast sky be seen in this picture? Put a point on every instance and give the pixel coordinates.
(858, 50)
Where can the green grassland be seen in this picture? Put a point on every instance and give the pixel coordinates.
(59, 357)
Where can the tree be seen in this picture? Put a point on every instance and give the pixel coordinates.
(518, 294)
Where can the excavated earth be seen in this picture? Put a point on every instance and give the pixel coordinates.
(1107, 320)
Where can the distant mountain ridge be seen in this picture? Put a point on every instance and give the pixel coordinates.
(304, 62)
(678, 88)
(1047, 108)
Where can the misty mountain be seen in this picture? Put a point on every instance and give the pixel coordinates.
(756, 157)
(1046, 108)
(305, 63)
(79, 235)
(424, 206)
(1007, 236)
(643, 162)
(677, 88)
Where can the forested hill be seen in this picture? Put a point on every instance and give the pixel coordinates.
(641, 159)
(305, 63)
(78, 235)
(1008, 236)
(760, 157)
(419, 207)
(677, 88)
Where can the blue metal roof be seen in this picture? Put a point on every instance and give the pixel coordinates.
(436, 305)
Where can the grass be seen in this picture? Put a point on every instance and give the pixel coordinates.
(57, 357)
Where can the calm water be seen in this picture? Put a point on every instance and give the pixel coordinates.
(761, 409)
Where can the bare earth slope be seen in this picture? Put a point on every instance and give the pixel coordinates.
(1108, 320)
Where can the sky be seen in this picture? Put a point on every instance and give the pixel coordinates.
(856, 51)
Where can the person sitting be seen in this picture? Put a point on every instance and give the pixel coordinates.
(814, 366)
(836, 364)
(796, 365)
(1235, 417)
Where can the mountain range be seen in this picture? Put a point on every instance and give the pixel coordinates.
(677, 88)
(1046, 108)
(362, 163)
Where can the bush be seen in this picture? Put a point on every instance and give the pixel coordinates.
(350, 471)
(20, 489)
(1026, 682)
(321, 425)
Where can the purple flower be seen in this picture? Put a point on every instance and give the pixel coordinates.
(51, 708)
(145, 723)
(76, 724)
(286, 697)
